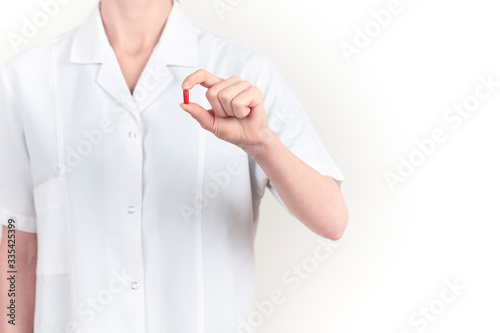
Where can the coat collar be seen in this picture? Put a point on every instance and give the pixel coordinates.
(178, 44)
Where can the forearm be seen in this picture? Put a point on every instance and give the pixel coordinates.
(238, 117)
(25, 279)
(315, 199)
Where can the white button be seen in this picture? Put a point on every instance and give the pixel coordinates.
(134, 285)
(132, 135)
(131, 209)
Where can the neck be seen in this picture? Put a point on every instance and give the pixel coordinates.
(134, 26)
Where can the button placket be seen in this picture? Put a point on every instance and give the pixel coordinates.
(132, 199)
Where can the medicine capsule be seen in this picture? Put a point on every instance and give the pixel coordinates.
(186, 96)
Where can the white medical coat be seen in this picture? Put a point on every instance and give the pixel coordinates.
(145, 221)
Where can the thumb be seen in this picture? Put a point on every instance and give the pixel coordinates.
(206, 118)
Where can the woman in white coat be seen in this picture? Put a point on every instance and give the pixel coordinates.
(144, 208)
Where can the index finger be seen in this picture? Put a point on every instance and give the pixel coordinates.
(202, 77)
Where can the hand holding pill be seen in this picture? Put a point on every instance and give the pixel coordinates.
(237, 114)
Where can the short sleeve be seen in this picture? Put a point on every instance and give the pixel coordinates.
(16, 192)
(287, 117)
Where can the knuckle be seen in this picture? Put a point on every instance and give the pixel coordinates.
(257, 91)
(241, 112)
(237, 111)
(225, 96)
(237, 102)
(211, 94)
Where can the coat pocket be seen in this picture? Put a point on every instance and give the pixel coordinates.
(52, 227)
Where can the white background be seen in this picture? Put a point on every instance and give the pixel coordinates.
(402, 245)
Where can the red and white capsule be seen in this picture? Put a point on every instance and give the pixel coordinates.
(186, 96)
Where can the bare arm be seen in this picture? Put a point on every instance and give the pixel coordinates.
(238, 116)
(25, 264)
(315, 199)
